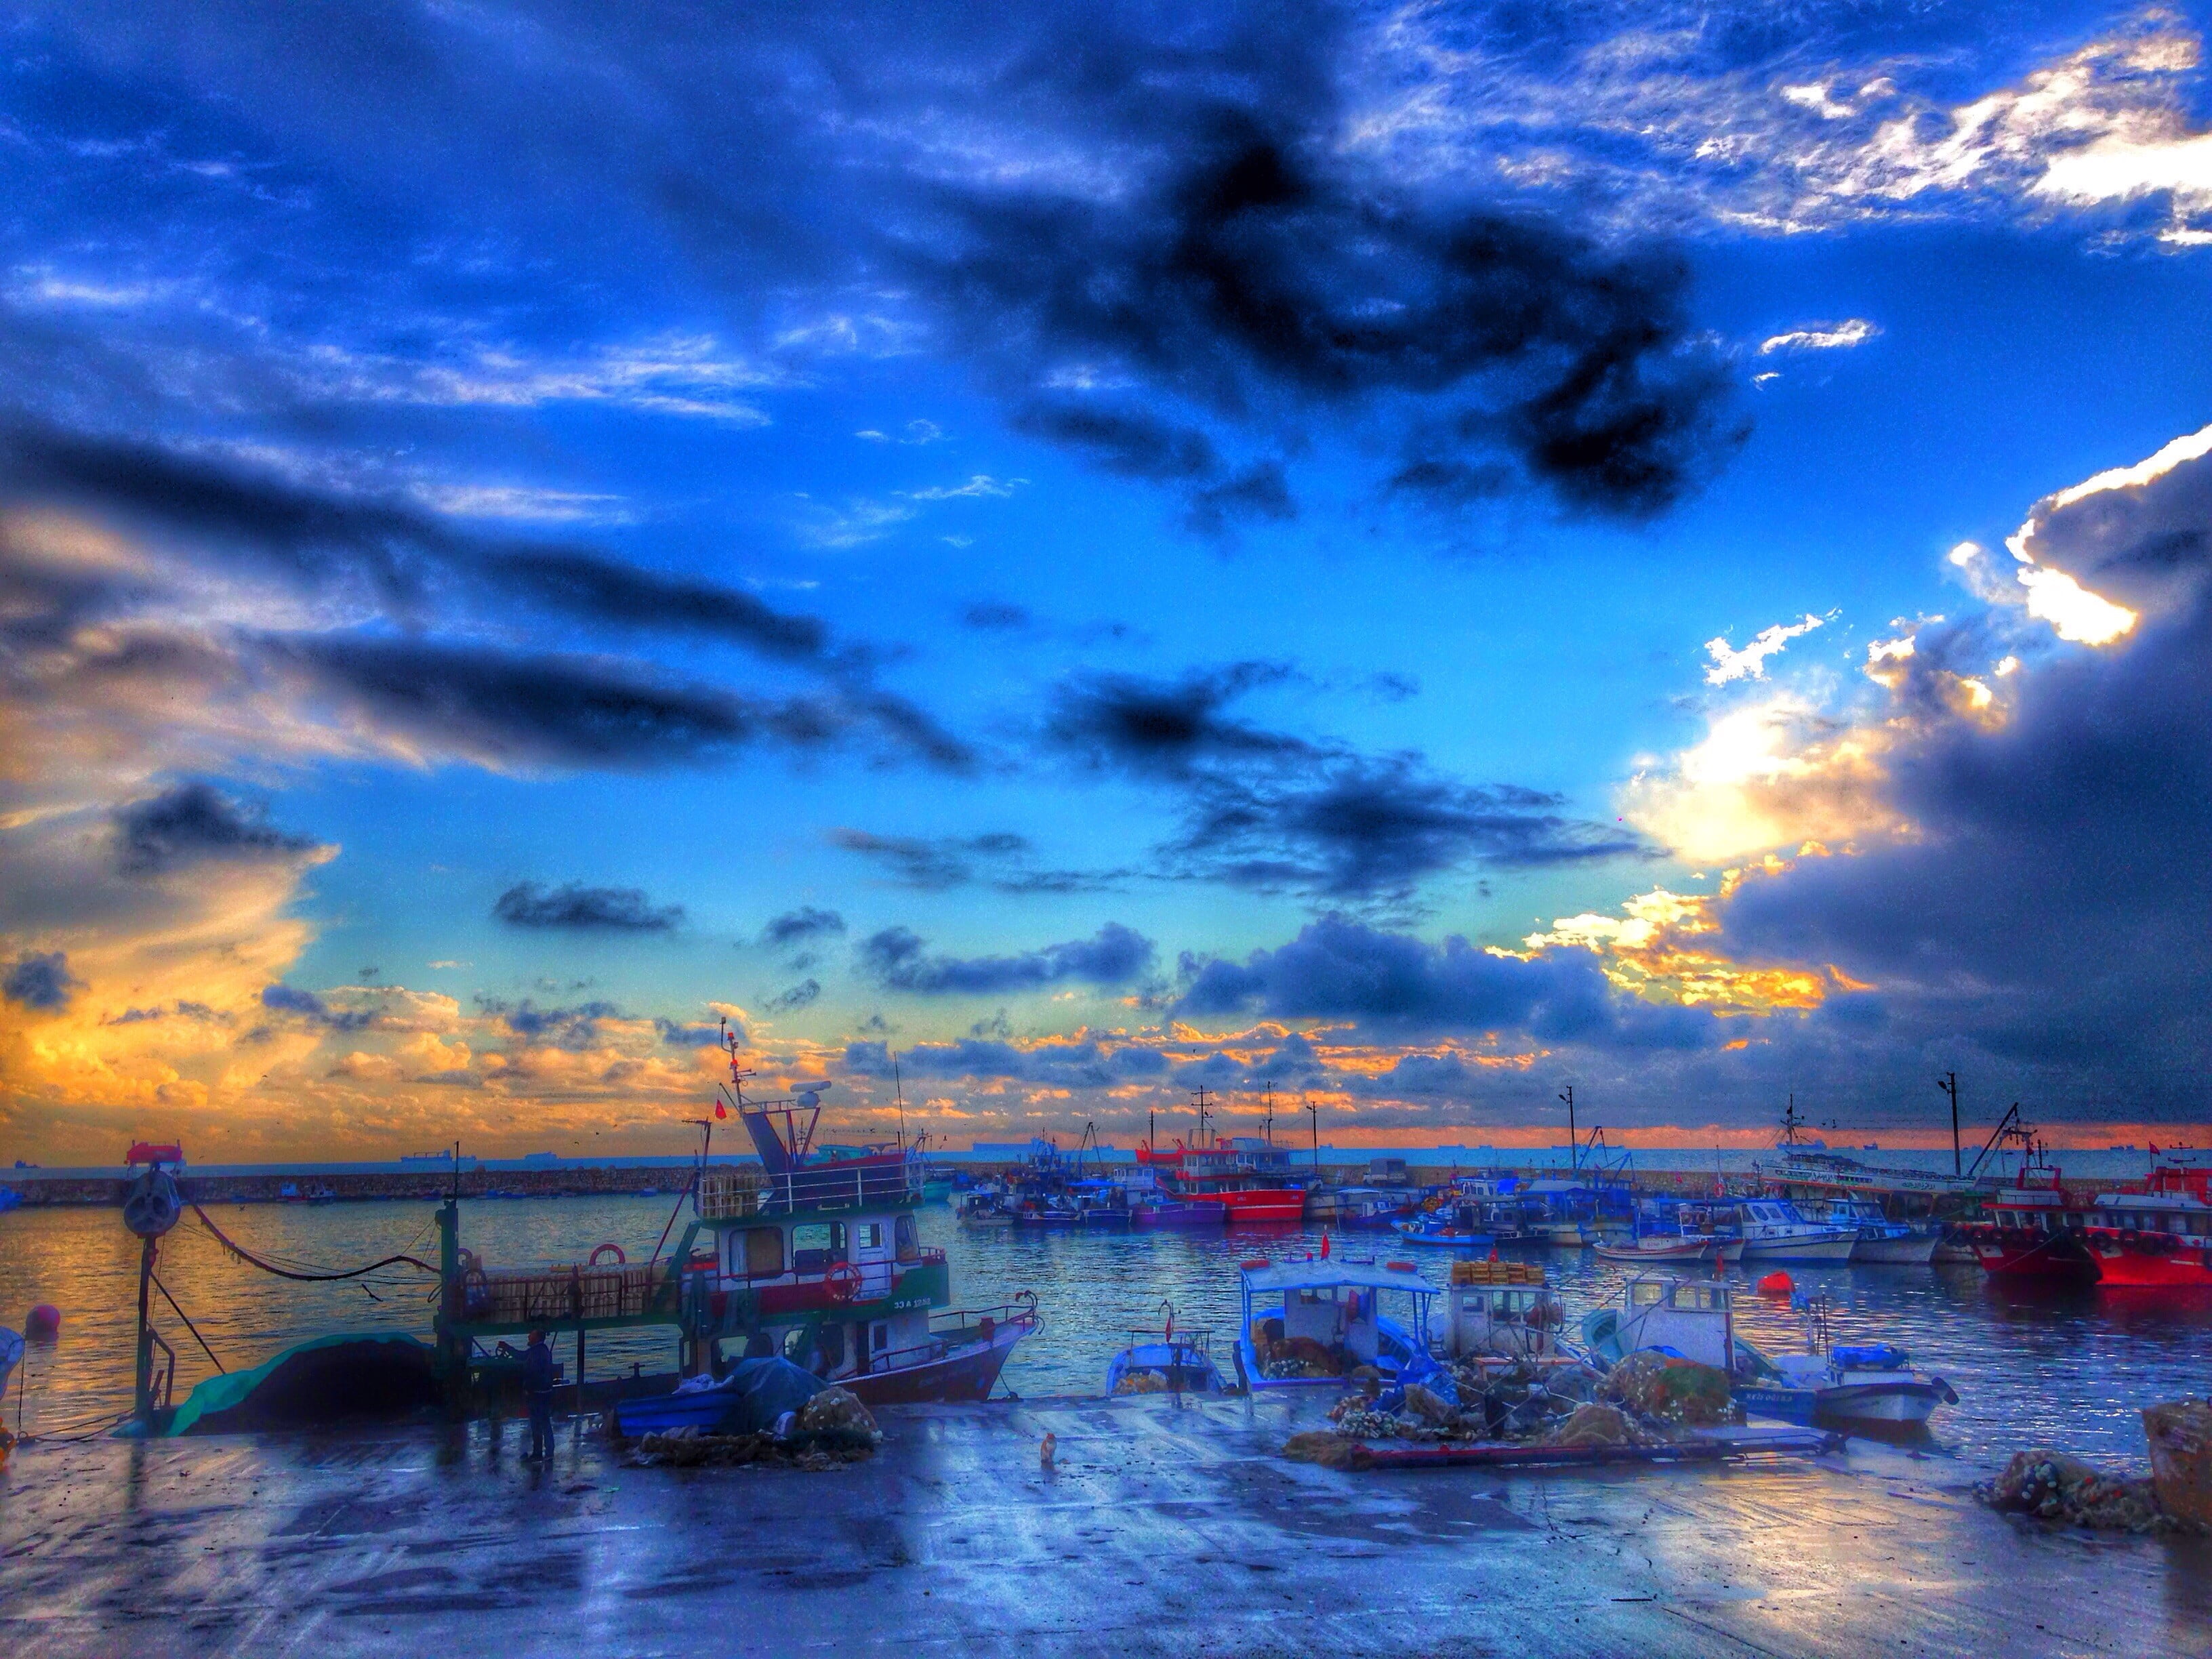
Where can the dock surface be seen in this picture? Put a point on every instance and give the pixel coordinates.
(1160, 1530)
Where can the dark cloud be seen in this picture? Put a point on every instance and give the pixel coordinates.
(307, 1007)
(896, 959)
(1167, 728)
(678, 1036)
(794, 998)
(41, 980)
(324, 538)
(2052, 905)
(509, 708)
(1128, 441)
(996, 617)
(1341, 968)
(1059, 1063)
(576, 1027)
(577, 908)
(930, 865)
(1267, 808)
(797, 927)
(1375, 829)
(192, 823)
(1251, 274)
(1258, 494)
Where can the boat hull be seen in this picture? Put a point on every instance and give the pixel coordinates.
(1914, 1252)
(1906, 1403)
(1260, 1204)
(967, 1374)
(1792, 1249)
(2040, 1261)
(1178, 1215)
(1695, 1249)
(2127, 1269)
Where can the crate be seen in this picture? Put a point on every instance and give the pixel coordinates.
(1496, 1272)
(725, 1195)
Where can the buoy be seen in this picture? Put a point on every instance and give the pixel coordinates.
(1776, 1283)
(43, 1323)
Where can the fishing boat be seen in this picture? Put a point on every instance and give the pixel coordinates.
(1881, 1241)
(1369, 1209)
(1308, 1321)
(2035, 1229)
(1500, 1310)
(1649, 1249)
(1165, 1361)
(1867, 1387)
(1442, 1230)
(1770, 1230)
(2160, 1236)
(1848, 1387)
(1246, 1175)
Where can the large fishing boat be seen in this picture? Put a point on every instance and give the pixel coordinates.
(819, 1258)
(2160, 1236)
(1248, 1176)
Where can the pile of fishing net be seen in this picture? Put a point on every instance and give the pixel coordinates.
(832, 1429)
(1520, 1403)
(1669, 1392)
(2056, 1487)
(1142, 1382)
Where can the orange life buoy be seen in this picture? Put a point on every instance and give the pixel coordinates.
(843, 1281)
(620, 1259)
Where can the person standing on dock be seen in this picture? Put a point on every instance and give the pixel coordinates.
(537, 1385)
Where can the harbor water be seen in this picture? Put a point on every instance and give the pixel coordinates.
(2068, 1369)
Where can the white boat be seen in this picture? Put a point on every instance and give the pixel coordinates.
(1771, 1229)
(1882, 1241)
(1849, 1387)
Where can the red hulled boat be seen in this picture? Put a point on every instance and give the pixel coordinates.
(2160, 1236)
(1248, 1176)
(2033, 1230)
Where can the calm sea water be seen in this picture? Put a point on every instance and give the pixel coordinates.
(2072, 1370)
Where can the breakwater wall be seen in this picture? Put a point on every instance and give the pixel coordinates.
(38, 1188)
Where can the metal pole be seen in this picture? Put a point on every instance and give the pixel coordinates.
(1948, 1082)
(1574, 1145)
(145, 1380)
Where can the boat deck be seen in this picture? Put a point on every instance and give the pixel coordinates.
(1163, 1530)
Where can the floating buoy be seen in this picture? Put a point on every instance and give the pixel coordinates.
(43, 1323)
(1776, 1283)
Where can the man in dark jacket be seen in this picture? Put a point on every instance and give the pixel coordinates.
(538, 1386)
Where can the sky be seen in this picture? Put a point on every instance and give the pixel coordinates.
(1031, 560)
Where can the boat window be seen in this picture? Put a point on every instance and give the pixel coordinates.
(1644, 1296)
(872, 1234)
(909, 1245)
(815, 1244)
(1701, 1299)
(763, 1252)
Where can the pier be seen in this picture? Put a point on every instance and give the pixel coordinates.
(1160, 1530)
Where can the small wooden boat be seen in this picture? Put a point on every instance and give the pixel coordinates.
(1167, 1361)
(1654, 1248)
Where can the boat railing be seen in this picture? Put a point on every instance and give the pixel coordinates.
(1196, 1339)
(562, 1295)
(960, 1327)
(732, 1194)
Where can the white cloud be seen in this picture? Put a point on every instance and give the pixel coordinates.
(1821, 337)
(978, 487)
(1750, 663)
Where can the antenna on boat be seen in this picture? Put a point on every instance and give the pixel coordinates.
(1948, 1082)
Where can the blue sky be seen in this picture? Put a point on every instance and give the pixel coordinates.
(1192, 547)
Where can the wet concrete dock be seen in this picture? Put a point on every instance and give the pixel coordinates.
(1160, 1531)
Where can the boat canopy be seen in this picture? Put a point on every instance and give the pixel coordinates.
(1324, 1275)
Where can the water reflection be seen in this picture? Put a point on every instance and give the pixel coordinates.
(2072, 1367)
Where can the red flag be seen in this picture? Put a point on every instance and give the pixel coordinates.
(720, 1110)
(1324, 1247)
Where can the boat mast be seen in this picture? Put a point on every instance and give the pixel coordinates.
(1270, 1109)
(1198, 1097)
(1948, 1082)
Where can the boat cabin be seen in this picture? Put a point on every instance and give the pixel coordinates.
(1310, 1321)
(1691, 1317)
(1512, 1320)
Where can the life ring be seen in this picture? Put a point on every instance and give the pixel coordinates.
(843, 1281)
(620, 1260)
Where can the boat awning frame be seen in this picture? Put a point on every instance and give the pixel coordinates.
(1333, 1275)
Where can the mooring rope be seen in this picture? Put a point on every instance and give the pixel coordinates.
(247, 1255)
(189, 1326)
